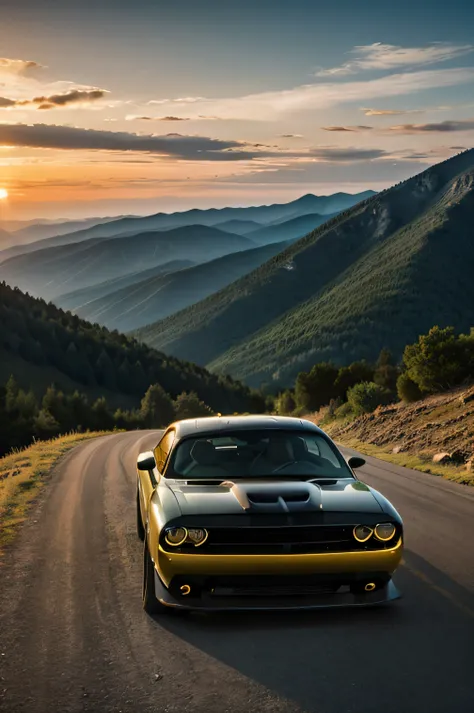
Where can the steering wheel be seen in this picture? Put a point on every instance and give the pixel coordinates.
(285, 465)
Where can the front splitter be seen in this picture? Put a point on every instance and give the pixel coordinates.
(211, 603)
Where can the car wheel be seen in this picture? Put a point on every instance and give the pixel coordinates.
(140, 528)
(150, 603)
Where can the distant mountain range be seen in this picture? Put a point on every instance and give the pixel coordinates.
(79, 299)
(51, 272)
(289, 229)
(135, 304)
(377, 275)
(76, 268)
(20, 235)
(78, 231)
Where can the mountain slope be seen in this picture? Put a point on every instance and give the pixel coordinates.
(39, 231)
(54, 271)
(159, 296)
(78, 299)
(240, 227)
(40, 343)
(214, 216)
(375, 276)
(289, 229)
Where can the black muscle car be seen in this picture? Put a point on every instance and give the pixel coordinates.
(261, 512)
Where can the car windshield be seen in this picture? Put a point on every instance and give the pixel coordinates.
(254, 454)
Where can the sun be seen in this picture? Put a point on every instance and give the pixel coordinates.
(3, 193)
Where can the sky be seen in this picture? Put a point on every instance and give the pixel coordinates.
(134, 107)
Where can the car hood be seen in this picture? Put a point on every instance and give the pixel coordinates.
(268, 496)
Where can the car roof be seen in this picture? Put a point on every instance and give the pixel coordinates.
(221, 424)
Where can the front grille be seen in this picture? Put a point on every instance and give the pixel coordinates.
(273, 591)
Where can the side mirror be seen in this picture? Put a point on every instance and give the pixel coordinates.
(356, 462)
(146, 461)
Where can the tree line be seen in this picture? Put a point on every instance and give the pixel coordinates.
(25, 418)
(436, 362)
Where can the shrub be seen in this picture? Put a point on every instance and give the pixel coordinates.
(351, 375)
(190, 406)
(316, 388)
(407, 390)
(439, 360)
(365, 397)
(285, 403)
(157, 409)
(343, 411)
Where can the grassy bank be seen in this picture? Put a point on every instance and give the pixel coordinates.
(24, 472)
(409, 460)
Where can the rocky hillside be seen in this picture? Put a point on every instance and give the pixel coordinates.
(438, 430)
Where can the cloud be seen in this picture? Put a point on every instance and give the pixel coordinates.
(390, 112)
(6, 103)
(347, 128)
(73, 96)
(442, 127)
(290, 136)
(180, 100)
(379, 56)
(271, 106)
(18, 66)
(346, 155)
(136, 117)
(194, 148)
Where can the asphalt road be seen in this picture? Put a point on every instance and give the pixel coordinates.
(73, 636)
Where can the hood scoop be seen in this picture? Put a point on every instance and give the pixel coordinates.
(275, 497)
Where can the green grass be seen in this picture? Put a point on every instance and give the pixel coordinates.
(23, 473)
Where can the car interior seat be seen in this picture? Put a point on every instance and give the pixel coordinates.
(205, 463)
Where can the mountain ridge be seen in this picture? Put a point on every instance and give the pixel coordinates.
(287, 289)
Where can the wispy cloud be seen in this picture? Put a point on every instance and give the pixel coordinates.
(180, 100)
(390, 112)
(290, 136)
(346, 155)
(271, 106)
(441, 127)
(379, 56)
(136, 117)
(347, 128)
(194, 148)
(144, 117)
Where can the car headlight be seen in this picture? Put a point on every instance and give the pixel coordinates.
(197, 535)
(362, 533)
(385, 531)
(175, 536)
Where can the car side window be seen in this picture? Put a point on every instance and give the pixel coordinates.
(162, 450)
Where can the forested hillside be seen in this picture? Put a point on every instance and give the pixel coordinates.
(40, 343)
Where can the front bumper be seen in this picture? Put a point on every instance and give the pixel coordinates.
(342, 576)
(170, 565)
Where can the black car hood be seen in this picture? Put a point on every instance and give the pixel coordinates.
(273, 496)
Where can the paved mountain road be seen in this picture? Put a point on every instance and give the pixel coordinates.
(73, 636)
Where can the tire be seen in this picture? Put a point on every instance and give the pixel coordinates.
(140, 527)
(150, 603)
